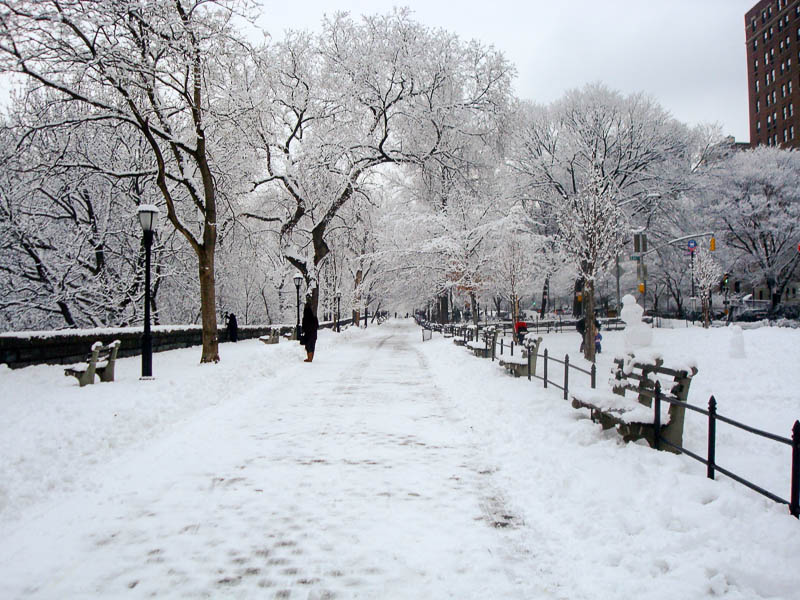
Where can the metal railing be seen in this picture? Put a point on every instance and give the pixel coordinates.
(710, 460)
(471, 332)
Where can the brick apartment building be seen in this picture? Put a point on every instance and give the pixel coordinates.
(772, 31)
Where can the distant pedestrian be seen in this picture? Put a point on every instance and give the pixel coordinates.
(233, 328)
(597, 342)
(310, 326)
(580, 327)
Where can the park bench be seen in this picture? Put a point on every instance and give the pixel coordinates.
(634, 419)
(273, 337)
(517, 365)
(464, 335)
(100, 361)
(484, 348)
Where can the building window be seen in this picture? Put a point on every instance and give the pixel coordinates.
(758, 105)
(758, 126)
(781, 45)
(785, 136)
(784, 113)
(790, 87)
(775, 97)
(791, 109)
(783, 91)
(791, 132)
(767, 100)
(769, 120)
(756, 86)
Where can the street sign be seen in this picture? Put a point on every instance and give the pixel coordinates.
(635, 257)
(692, 245)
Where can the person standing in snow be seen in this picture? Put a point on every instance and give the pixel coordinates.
(580, 326)
(233, 328)
(310, 326)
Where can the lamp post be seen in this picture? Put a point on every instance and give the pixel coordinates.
(147, 218)
(338, 306)
(298, 279)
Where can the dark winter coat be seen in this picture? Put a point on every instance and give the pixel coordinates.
(310, 326)
(233, 328)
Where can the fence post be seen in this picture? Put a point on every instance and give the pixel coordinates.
(594, 376)
(501, 346)
(794, 502)
(712, 436)
(545, 367)
(512, 348)
(529, 362)
(566, 376)
(657, 416)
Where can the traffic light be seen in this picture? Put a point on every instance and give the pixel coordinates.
(713, 244)
(724, 284)
(639, 243)
(641, 287)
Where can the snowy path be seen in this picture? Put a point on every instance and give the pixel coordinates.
(360, 483)
(389, 468)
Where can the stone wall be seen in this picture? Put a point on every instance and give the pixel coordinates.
(71, 346)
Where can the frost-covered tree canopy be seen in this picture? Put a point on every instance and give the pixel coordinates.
(386, 161)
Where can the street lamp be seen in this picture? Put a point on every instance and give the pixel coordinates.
(147, 218)
(338, 306)
(298, 279)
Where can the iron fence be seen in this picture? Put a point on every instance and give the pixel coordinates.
(470, 333)
(710, 460)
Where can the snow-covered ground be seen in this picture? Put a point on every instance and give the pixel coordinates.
(388, 468)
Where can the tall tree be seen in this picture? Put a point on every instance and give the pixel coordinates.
(154, 66)
(598, 156)
(336, 108)
(754, 199)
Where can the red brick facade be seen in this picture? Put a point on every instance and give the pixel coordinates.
(772, 31)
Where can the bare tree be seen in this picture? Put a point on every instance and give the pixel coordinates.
(754, 198)
(337, 107)
(154, 66)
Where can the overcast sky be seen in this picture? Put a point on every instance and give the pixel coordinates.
(688, 54)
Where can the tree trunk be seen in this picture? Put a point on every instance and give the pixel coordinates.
(591, 330)
(473, 301)
(208, 305)
(577, 305)
(545, 296)
(443, 309)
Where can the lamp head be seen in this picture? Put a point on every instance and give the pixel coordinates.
(148, 214)
(298, 279)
